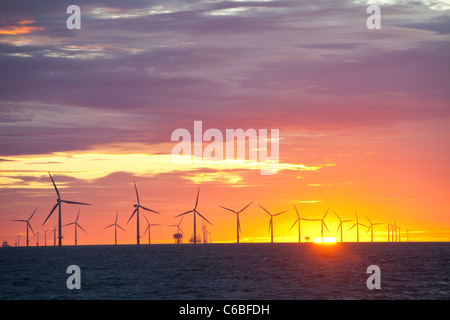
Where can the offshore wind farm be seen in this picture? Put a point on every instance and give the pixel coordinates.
(393, 231)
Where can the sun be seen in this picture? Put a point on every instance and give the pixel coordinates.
(326, 240)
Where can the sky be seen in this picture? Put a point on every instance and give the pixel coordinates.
(363, 116)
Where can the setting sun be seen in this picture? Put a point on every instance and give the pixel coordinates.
(327, 240)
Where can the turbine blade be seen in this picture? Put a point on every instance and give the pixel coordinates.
(132, 214)
(265, 209)
(352, 227)
(31, 228)
(245, 207)
(80, 227)
(181, 230)
(117, 213)
(184, 213)
(135, 188)
(325, 226)
(228, 209)
(294, 224)
(57, 192)
(149, 209)
(121, 228)
(203, 217)
(73, 202)
(363, 225)
(368, 219)
(337, 216)
(277, 214)
(78, 215)
(270, 223)
(339, 226)
(296, 211)
(325, 214)
(196, 201)
(20, 220)
(108, 226)
(68, 224)
(146, 230)
(32, 214)
(57, 204)
(146, 219)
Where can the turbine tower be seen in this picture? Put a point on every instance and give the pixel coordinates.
(340, 226)
(59, 201)
(357, 224)
(298, 220)
(271, 221)
(370, 227)
(76, 225)
(28, 224)
(238, 225)
(195, 213)
(115, 228)
(137, 206)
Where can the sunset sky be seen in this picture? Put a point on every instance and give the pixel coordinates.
(363, 115)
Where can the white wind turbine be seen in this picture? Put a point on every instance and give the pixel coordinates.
(370, 227)
(115, 228)
(76, 225)
(195, 213)
(28, 223)
(340, 226)
(357, 224)
(238, 225)
(298, 220)
(271, 221)
(59, 201)
(148, 228)
(137, 206)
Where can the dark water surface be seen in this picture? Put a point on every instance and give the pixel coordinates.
(228, 271)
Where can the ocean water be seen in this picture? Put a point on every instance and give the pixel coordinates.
(281, 271)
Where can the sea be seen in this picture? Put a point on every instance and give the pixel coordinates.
(245, 271)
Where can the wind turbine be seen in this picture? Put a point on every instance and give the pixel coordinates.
(388, 230)
(75, 223)
(28, 223)
(357, 224)
(395, 230)
(179, 234)
(115, 228)
(54, 235)
(238, 225)
(195, 213)
(322, 223)
(298, 220)
(340, 226)
(271, 221)
(58, 204)
(148, 228)
(137, 206)
(370, 227)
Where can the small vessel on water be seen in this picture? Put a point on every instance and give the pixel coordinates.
(5, 244)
